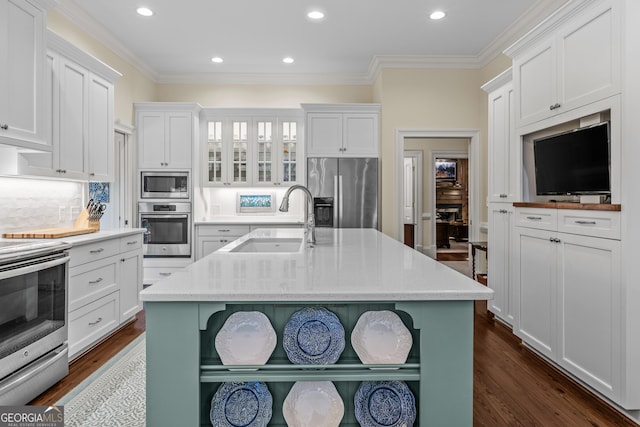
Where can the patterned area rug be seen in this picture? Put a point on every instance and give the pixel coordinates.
(112, 396)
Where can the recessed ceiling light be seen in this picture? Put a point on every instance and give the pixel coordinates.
(288, 60)
(315, 15)
(217, 60)
(144, 11)
(438, 14)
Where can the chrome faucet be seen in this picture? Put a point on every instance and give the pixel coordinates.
(310, 225)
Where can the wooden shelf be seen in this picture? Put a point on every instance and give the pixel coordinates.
(570, 205)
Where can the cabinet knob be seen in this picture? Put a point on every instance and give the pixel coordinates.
(92, 174)
(4, 127)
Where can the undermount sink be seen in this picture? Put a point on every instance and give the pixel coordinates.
(270, 245)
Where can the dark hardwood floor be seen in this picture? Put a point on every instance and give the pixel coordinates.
(512, 386)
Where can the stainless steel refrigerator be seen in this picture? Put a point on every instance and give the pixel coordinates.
(345, 191)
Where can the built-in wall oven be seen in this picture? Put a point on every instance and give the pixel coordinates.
(33, 318)
(168, 228)
(164, 185)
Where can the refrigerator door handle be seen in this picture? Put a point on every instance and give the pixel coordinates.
(336, 203)
(340, 213)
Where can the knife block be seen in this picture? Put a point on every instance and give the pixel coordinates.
(82, 221)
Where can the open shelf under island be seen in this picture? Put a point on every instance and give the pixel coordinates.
(349, 272)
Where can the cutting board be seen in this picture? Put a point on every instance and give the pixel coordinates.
(49, 233)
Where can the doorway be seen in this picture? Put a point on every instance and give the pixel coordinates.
(426, 216)
(412, 199)
(124, 186)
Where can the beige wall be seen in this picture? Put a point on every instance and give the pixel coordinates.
(263, 96)
(133, 86)
(428, 146)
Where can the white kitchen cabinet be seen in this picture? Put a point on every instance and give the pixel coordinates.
(349, 130)
(568, 296)
(259, 147)
(80, 93)
(569, 61)
(503, 150)
(22, 66)
(105, 280)
(498, 260)
(210, 238)
(166, 135)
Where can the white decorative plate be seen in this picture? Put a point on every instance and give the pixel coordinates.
(246, 338)
(313, 404)
(380, 337)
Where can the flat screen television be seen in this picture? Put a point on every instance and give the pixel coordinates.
(573, 163)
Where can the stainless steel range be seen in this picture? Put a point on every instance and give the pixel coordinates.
(33, 318)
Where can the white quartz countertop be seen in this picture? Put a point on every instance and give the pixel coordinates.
(344, 265)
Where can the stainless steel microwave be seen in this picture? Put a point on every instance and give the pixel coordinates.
(164, 185)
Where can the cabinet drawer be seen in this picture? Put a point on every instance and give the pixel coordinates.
(543, 219)
(93, 251)
(590, 223)
(223, 230)
(90, 323)
(91, 281)
(130, 243)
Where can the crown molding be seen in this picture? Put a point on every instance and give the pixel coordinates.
(498, 81)
(73, 13)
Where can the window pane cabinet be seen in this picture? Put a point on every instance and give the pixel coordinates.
(257, 150)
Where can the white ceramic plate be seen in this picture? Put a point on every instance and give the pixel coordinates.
(313, 404)
(246, 338)
(380, 337)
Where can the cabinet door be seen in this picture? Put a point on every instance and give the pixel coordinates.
(535, 278)
(178, 139)
(101, 134)
(22, 56)
(216, 170)
(151, 139)
(265, 152)
(360, 135)
(502, 167)
(130, 283)
(240, 163)
(74, 121)
(499, 244)
(535, 76)
(211, 244)
(324, 134)
(589, 52)
(589, 306)
(289, 153)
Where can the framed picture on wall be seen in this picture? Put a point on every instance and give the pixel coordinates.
(445, 170)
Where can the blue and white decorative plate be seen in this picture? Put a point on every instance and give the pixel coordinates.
(313, 335)
(239, 404)
(384, 404)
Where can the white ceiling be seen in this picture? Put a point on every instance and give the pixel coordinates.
(355, 39)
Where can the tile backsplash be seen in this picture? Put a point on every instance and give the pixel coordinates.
(27, 204)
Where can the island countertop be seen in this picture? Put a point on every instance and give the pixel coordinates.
(344, 265)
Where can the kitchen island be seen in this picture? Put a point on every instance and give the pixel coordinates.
(348, 271)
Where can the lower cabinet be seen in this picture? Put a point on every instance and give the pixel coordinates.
(210, 238)
(105, 280)
(568, 295)
(498, 259)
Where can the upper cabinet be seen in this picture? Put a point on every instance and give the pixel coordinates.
(22, 65)
(166, 134)
(567, 62)
(342, 130)
(256, 147)
(79, 98)
(503, 146)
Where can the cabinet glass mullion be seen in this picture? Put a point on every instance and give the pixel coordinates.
(289, 151)
(239, 145)
(264, 151)
(215, 156)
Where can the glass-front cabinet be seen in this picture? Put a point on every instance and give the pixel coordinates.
(252, 150)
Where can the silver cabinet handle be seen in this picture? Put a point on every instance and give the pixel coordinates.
(582, 222)
(503, 196)
(554, 240)
(164, 274)
(92, 174)
(132, 243)
(224, 230)
(98, 280)
(96, 322)
(96, 251)
(503, 211)
(554, 106)
(535, 218)
(4, 127)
